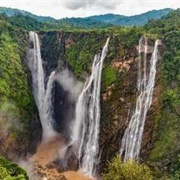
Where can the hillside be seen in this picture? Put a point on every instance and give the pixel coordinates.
(137, 20)
(13, 12)
(98, 21)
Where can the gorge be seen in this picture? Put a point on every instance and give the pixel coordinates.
(78, 103)
(85, 128)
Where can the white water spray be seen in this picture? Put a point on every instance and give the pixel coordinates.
(85, 133)
(131, 142)
(43, 97)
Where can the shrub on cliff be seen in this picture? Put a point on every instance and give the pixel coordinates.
(176, 170)
(118, 170)
(11, 171)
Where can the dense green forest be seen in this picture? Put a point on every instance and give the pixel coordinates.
(137, 20)
(16, 102)
(18, 108)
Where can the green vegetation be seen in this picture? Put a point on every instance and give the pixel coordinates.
(81, 54)
(118, 170)
(100, 21)
(109, 75)
(176, 171)
(10, 12)
(167, 24)
(169, 120)
(137, 20)
(25, 22)
(12, 74)
(76, 41)
(11, 171)
(166, 144)
(16, 101)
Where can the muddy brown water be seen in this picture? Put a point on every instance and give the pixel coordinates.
(46, 153)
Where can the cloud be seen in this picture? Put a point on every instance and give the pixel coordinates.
(77, 4)
(83, 8)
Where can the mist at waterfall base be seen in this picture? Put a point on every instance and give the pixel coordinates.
(68, 90)
(131, 141)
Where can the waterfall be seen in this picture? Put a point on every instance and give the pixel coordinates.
(42, 95)
(131, 141)
(85, 133)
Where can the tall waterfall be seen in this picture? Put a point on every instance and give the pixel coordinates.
(131, 142)
(85, 133)
(42, 95)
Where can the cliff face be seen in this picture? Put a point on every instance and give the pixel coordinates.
(118, 105)
(74, 51)
(165, 143)
(118, 94)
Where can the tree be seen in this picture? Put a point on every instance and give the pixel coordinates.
(118, 170)
(11, 171)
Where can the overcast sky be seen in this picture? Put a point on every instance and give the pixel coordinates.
(82, 8)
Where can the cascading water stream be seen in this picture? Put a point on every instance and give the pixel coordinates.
(43, 97)
(48, 100)
(131, 141)
(85, 132)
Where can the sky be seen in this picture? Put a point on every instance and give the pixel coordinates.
(83, 8)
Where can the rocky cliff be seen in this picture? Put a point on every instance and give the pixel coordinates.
(118, 96)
